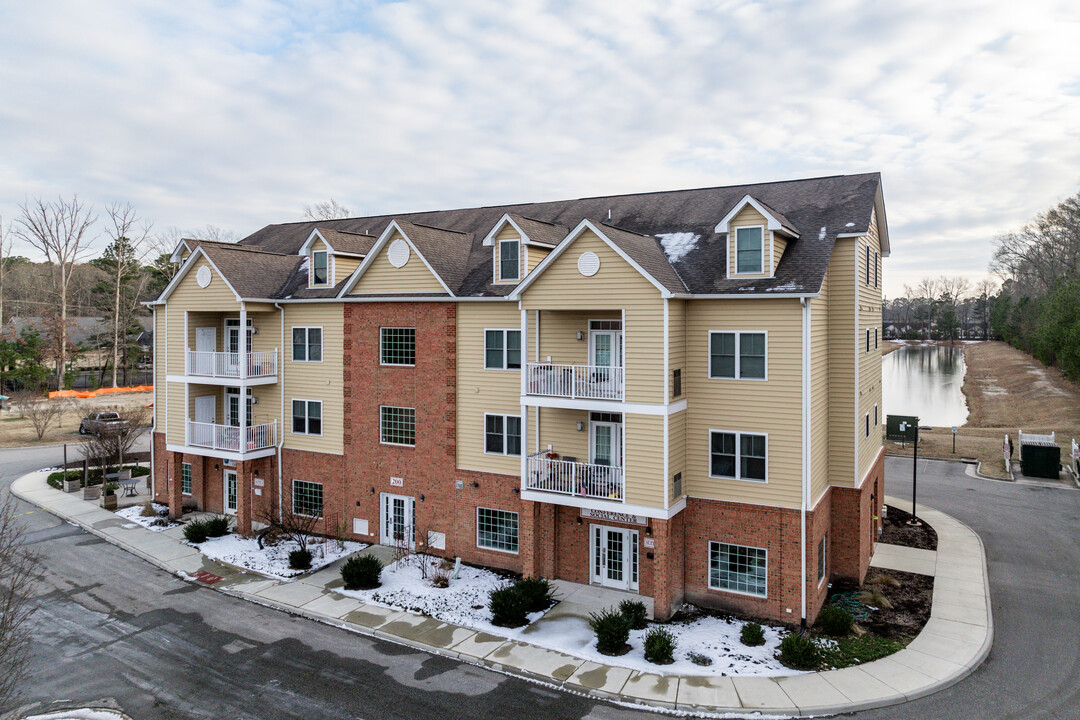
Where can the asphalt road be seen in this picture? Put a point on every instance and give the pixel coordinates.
(115, 631)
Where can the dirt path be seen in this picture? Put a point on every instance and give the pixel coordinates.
(17, 432)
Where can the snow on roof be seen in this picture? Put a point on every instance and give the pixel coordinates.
(677, 244)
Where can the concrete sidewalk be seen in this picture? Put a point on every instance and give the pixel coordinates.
(954, 642)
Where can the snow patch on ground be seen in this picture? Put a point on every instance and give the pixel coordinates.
(155, 524)
(80, 714)
(678, 244)
(273, 560)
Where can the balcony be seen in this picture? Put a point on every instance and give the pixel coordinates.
(568, 477)
(577, 382)
(230, 365)
(228, 437)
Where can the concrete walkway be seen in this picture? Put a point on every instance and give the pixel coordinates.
(954, 642)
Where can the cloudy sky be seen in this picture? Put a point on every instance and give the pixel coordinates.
(240, 113)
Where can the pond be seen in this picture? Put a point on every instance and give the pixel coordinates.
(925, 380)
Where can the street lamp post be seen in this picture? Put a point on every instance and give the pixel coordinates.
(915, 521)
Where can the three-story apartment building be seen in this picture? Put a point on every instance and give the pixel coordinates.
(675, 394)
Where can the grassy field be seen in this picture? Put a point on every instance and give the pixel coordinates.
(17, 432)
(1006, 389)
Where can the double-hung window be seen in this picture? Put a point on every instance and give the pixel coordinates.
(502, 349)
(502, 434)
(749, 250)
(739, 355)
(320, 268)
(307, 344)
(738, 569)
(307, 498)
(185, 478)
(509, 265)
(397, 346)
(739, 456)
(397, 425)
(307, 417)
(497, 529)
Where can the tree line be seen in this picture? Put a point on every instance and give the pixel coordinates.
(942, 308)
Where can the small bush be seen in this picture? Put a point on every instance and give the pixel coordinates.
(507, 605)
(835, 621)
(217, 526)
(799, 652)
(659, 646)
(196, 532)
(300, 559)
(612, 630)
(752, 634)
(361, 572)
(148, 510)
(636, 613)
(537, 593)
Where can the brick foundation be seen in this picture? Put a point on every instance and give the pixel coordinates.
(857, 522)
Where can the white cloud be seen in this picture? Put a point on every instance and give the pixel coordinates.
(239, 114)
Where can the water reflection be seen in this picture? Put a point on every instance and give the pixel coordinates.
(925, 381)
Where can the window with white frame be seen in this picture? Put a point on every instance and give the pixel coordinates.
(737, 354)
(497, 529)
(821, 559)
(397, 346)
(867, 340)
(320, 268)
(185, 478)
(307, 344)
(502, 349)
(509, 263)
(875, 338)
(875, 415)
(749, 249)
(867, 424)
(738, 568)
(868, 267)
(502, 434)
(307, 417)
(877, 267)
(738, 455)
(397, 425)
(307, 498)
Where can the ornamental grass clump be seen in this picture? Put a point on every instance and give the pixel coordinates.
(635, 612)
(361, 572)
(752, 634)
(660, 646)
(612, 630)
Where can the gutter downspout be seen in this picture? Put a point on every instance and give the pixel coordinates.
(805, 448)
(281, 394)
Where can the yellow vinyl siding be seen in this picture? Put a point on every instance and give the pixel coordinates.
(189, 297)
(644, 460)
(558, 429)
(843, 344)
(483, 391)
(819, 393)
(344, 267)
(749, 217)
(382, 278)
(176, 411)
(779, 246)
(558, 334)
(507, 233)
(677, 448)
(535, 256)
(315, 380)
(772, 407)
(869, 362)
(676, 345)
(616, 286)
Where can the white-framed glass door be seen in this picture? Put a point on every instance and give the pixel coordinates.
(232, 340)
(605, 348)
(397, 520)
(613, 556)
(230, 503)
(232, 405)
(605, 443)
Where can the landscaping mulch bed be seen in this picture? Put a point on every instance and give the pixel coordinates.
(896, 531)
(910, 595)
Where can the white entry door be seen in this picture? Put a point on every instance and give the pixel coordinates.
(205, 344)
(614, 557)
(398, 520)
(230, 492)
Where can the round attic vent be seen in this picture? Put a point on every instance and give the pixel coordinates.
(203, 276)
(588, 264)
(398, 254)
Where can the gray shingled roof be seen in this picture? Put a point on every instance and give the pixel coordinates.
(539, 231)
(253, 275)
(348, 242)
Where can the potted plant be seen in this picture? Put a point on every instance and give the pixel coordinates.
(71, 482)
(108, 495)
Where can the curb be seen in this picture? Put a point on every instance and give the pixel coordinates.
(895, 698)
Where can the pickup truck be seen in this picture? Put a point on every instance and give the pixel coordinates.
(97, 423)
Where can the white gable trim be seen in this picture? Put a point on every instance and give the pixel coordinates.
(584, 225)
(183, 271)
(773, 223)
(305, 249)
(377, 248)
(490, 239)
(180, 247)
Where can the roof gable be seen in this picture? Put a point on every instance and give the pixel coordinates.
(193, 262)
(414, 237)
(339, 242)
(532, 232)
(775, 221)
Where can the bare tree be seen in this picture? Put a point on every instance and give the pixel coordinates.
(125, 256)
(138, 423)
(60, 230)
(18, 569)
(291, 526)
(215, 234)
(41, 413)
(329, 210)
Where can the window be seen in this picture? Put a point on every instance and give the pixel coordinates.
(676, 383)
(676, 486)
(397, 346)
(738, 569)
(502, 349)
(749, 249)
(502, 434)
(232, 410)
(821, 559)
(307, 498)
(877, 267)
(739, 355)
(868, 340)
(307, 344)
(867, 424)
(185, 478)
(875, 415)
(740, 456)
(319, 272)
(508, 260)
(497, 529)
(307, 417)
(867, 264)
(397, 425)
(875, 338)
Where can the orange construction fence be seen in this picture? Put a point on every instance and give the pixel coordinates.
(99, 391)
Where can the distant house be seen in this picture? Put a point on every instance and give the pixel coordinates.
(90, 335)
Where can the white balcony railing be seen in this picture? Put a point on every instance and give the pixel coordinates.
(595, 382)
(231, 365)
(227, 437)
(574, 478)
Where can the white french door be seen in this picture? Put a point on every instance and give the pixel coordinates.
(605, 445)
(230, 491)
(232, 341)
(614, 557)
(398, 520)
(605, 348)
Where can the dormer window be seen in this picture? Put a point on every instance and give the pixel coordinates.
(319, 268)
(509, 263)
(749, 249)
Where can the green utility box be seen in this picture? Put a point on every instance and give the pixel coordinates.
(1040, 459)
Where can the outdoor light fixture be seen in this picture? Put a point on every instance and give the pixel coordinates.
(579, 520)
(580, 426)
(580, 336)
(648, 529)
(516, 491)
(372, 491)
(475, 484)
(421, 497)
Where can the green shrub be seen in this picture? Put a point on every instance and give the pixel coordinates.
(536, 593)
(361, 572)
(300, 559)
(217, 525)
(800, 652)
(612, 630)
(835, 621)
(659, 646)
(752, 634)
(196, 531)
(636, 613)
(508, 606)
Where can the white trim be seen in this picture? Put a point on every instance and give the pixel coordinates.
(733, 266)
(505, 436)
(608, 505)
(738, 455)
(521, 349)
(517, 539)
(183, 271)
(376, 249)
(311, 269)
(174, 256)
(604, 405)
(225, 491)
(806, 464)
(855, 470)
(496, 272)
(396, 407)
(708, 579)
(738, 355)
(489, 239)
(221, 454)
(773, 223)
(292, 344)
(667, 400)
(396, 327)
(841, 236)
(292, 416)
(305, 249)
(525, 448)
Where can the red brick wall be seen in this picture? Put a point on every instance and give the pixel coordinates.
(856, 519)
